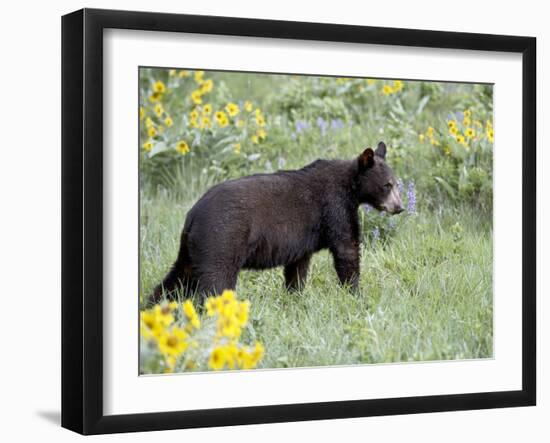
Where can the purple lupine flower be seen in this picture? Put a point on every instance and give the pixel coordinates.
(400, 186)
(301, 126)
(367, 208)
(323, 125)
(375, 234)
(336, 124)
(411, 198)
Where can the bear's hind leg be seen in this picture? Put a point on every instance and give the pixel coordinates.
(215, 283)
(296, 273)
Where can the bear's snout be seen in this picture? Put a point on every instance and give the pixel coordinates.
(393, 203)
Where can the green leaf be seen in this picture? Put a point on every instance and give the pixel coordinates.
(446, 186)
(423, 102)
(158, 148)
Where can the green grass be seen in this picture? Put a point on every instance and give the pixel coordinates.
(426, 290)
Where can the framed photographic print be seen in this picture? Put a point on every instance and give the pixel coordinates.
(269, 221)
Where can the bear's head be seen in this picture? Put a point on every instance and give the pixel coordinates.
(376, 183)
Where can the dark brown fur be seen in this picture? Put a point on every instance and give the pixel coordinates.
(268, 220)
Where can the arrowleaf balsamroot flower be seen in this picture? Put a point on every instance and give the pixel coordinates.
(159, 87)
(232, 109)
(181, 340)
(182, 147)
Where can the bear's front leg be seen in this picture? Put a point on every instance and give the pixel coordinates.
(346, 262)
(296, 273)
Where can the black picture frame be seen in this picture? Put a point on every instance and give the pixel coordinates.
(82, 220)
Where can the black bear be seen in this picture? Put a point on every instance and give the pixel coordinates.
(281, 219)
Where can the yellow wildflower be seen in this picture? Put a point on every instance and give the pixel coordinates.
(159, 110)
(172, 343)
(155, 97)
(194, 114)
(237, 148)
(152, 131)
(153, 322)
(261, 134)
(490, 135)
(232, 109)
(207, 109)
(451, 123)
(141, 113)
(387, 90)
(217, 358)
(453, 130)
(190, 364)
(239, 123)
(149, 327)
(461, 140)
(172, 72)
(213, 306)
(245, 359)
(159, 87)
(466, 121)
(207, 86)
(421, 138)
(189, 310)
(228, 328)
(258, 352)
(397, 85)
(231, 355)
(467, 113)
(164, 315)
(255, 139)
(260, 120)
(221, 118)
(223, 122)
(183, 73)
(430, 132)
(147, 146)
(196, 97)
(149, 122)
(470, 133)
(168, 121)
(182, 147)
(242, 313)
(199, 77)
(170, 363)
(228, 296)
(248, 106)
(194, 123)
(206, 123)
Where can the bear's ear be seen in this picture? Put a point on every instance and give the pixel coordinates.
(381, 150)
(366, 159)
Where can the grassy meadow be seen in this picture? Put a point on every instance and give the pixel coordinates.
(426, 274)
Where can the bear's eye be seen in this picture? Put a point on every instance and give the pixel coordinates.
(387, 186)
